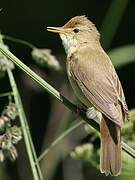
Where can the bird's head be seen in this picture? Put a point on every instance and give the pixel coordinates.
(78, 31)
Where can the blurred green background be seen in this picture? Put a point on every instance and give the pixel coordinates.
(28, 20)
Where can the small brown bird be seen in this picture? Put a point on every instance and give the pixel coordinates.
(96, 84)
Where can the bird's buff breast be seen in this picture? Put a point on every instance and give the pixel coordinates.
(70, 45)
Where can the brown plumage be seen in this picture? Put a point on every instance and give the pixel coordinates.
(95, 83)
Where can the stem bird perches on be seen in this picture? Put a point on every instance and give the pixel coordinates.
(56, 94)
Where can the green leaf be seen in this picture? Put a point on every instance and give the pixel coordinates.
(112, 21)
(123, 55)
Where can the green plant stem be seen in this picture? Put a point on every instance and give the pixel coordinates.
(128, 149)
(26, 43)
(58, 139)
(112, 21)
(56, 94)
(23, 125)
(6, 94)
(30, 141)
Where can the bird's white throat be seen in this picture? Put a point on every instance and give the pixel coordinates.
(68, 43)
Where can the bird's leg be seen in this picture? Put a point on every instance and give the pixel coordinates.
(92, 113)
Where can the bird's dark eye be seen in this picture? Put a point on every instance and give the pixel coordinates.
(76, 30)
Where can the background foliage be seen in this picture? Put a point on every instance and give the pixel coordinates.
(47, 118)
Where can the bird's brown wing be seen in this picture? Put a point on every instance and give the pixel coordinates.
(98, 81)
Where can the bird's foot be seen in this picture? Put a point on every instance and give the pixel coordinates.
(92, 113)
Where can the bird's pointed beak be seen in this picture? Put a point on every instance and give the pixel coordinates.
(56, 29)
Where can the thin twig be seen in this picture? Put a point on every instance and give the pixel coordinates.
(6, 94)
(59, 138)
(20, 41)
(56, 94)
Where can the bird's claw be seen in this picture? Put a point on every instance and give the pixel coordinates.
(92, 113)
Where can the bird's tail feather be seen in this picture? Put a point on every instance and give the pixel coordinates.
(110, 158)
